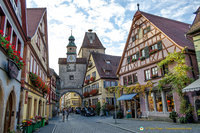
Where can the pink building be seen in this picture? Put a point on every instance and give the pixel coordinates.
(149, 41)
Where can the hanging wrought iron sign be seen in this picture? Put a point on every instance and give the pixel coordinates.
(13, 69)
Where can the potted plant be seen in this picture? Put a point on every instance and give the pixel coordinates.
(153, 51)
(93, 92)
(142, 58)
(87, 81)
(173, 115)
(86, 94)
(133, 60)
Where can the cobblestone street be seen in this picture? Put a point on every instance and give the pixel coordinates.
(81, 124)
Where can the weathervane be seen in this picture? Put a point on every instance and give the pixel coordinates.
(138, 5)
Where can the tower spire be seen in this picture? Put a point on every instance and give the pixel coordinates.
(138, 5)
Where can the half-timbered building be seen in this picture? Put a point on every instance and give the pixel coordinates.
(149, 41)
(35, 87)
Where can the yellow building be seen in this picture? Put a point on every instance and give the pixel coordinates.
(36, 52)
(100, 74)
(72, 100)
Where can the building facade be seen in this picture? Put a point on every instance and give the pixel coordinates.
(52, 98)
(100, 74)
(193, 90)
(150, 39)
(72, 100)
(35, 87)
(13, 30)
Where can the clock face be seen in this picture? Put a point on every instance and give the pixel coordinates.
(71, 58)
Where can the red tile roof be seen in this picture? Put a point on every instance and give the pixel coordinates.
(78, 61)
(34, 15)
(173, 29)
(101, 65)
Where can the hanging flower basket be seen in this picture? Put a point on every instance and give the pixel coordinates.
(13, 69)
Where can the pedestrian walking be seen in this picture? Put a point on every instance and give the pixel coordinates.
(67, 114)
(63, 112)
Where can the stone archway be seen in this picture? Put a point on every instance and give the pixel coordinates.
(75, 91)
(1, 106)
(10, 112)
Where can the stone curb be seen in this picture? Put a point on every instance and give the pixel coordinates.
(119, 127)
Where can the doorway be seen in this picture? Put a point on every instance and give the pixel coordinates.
(197, 104)
(8, 114)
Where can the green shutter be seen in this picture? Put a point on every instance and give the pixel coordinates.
(159, 45)
(146, 49)
(137, 55)
(129, 59)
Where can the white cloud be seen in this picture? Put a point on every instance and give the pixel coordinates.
(81, 15)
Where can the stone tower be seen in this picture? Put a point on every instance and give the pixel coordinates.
(72, 70)
(91, 43)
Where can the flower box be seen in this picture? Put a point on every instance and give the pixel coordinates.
(154, 76)
(94, 92)
(153, 51)
(86, 94)
(92, 79)
(133, 60)
(38, 82)
(87, 82)
(142, 58)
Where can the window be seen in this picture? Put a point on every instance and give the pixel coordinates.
(88, 77)
(44, 54)
(134, 57)
(143, 53)
(19, 48)
(150, 100)
(8, 29)
(159, 104)
(170, 101)
(154, 72)
(34, 67)
(107, 61)
(94, 74)
(125, 80)
(14, 40)
(165, 69)
(130, 81)
(147, 74)
(146, 30)
(31, 64)
(112, 83)
(2, 20)
(135, 79)
(71, 77)
(154, 47)
(107, 72)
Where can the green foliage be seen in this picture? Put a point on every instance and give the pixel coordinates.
(98, 108)
(182, 120)
(173, 115)
(177, 77)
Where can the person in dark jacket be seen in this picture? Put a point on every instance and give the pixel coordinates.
(64, 112)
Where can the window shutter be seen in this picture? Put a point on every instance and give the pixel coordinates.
(146, 49)
(129, 59)
(159, 45)
(137, 55)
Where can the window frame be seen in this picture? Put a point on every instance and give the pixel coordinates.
(149, 77)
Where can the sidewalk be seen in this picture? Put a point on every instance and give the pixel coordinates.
(50, 127)
(133, 126)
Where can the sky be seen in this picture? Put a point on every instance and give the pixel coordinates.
(110, 19)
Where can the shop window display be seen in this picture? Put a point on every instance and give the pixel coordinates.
(150, 99)
(159, 104)
(170, 101)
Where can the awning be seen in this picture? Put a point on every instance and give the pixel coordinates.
(195, 86)
(127, 97)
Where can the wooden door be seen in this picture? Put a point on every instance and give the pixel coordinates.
(8, 114)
